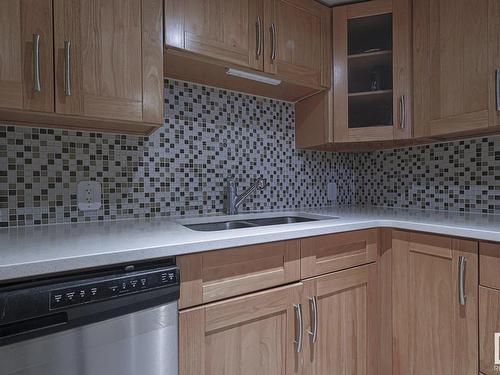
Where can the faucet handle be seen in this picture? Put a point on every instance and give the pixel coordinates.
(261, 183)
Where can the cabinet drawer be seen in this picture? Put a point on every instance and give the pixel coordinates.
(219, 274)
(324, 254)
(489, 264)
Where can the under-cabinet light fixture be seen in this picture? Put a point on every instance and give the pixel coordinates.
(252, 76)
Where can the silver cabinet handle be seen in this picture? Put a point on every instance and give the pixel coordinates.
(36, 63)
(273, 41)
(461, 280)
(313, 302)
(402, 112)
(298, 334)
(497, 74)
(67, 68)
(258, 31)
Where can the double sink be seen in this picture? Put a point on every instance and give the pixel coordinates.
(251, 223)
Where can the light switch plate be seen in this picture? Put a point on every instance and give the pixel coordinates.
(88, 195)
(332, 192)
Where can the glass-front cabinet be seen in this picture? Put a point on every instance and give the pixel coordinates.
(372, 70)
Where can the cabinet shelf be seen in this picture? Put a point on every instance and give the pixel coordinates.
(370, 54)
(369, 94)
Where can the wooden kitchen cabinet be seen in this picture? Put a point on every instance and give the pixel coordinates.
(108, 59)
(285, 40)
(230, 30)
(26, 55)
(456, 53)
(371, 96)
(347, 322)
(434, 331)
(253, 334)
(298, 41)
(489, 324)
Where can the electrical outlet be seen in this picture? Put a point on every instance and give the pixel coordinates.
(332, 192)
(88, 195)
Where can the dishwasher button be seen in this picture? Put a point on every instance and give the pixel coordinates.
(56, 300)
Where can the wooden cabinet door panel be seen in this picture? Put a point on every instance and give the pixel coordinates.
(347, 323)
(219, 274)
(433, 333)
(115, 49)
(325, 254)
(20, 20)
(227, 30)
(302, 41)
(246, 335)
(452, 65)
(489, 324)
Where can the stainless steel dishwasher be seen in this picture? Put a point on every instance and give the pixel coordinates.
(119, 321)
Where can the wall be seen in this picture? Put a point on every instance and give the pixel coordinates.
(209, 135)
(456, 176)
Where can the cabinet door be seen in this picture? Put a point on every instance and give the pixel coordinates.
(247, 335)
(489, 325)
(298, 41)
(346, 321)
(435, 333)
(26, 77)
(372, 75)
(228, 30)
(454, 65)
(113, 65)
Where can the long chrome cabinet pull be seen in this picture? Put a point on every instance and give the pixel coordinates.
(313, 302)
(273, 41)
(497, 74)
(299, 331)
(36, 63)
(258, 30)
(461, 280)
(67, 68)
(402, 112)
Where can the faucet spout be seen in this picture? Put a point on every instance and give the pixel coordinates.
(234, 200)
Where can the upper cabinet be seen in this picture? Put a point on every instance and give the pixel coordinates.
(456, 57)
(371, 95)
(108, 59)
(231, 30)
(298, 46)
(286, 42)
(86, 64)
(26, 55)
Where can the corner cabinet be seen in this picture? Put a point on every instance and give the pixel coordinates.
(284, 40)
(84, 64)
(435, 304)
(370, 99)
(456, 61)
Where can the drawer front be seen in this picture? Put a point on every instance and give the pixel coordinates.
(219, 274)
(489, 264)
(334, 252)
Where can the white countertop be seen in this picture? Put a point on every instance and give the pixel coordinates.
(39, 250)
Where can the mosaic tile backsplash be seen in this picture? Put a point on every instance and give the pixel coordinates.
(456, 176)
(208, 136)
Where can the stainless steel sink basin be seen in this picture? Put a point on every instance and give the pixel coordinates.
(249, 223)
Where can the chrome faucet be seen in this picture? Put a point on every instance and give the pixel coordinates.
(234, 200)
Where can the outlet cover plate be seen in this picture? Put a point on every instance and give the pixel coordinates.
(332, 192)
(88, 195)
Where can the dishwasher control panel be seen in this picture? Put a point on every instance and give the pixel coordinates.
(112, 288)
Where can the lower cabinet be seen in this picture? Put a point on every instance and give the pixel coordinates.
(342, 320)
(324, 325)
(435, 305)
(489, 325)
(248, 335)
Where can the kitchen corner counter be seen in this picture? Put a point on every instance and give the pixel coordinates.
(39, 250)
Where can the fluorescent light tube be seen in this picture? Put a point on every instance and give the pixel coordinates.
(252, 76)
